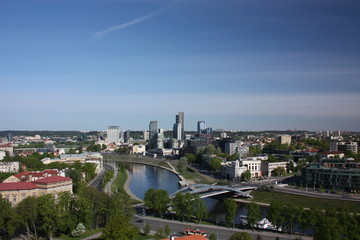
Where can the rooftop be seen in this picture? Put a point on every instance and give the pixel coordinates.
(17, 186)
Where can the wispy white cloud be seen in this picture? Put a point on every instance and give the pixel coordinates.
(103, 33)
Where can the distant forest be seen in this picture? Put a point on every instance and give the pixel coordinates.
(45, 133)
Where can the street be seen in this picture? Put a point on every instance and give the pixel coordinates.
(222, 233)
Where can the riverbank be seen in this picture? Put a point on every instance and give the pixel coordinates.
(266, 197)
(190, 176)
(127, 187)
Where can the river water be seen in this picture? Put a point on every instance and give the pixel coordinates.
(145, 177)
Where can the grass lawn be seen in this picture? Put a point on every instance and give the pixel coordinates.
(118, 184)
(87, 234)
(192, 174)
(141, 237)
(306, 202)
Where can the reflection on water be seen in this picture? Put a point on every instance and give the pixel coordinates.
(145, 177)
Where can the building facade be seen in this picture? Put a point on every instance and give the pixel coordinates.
(180, 119)
(344, 146)
(9, 167)
(337, 174)
(284, 139)
(113, 134)
(201, 127)
(15, 192)
(267, 167)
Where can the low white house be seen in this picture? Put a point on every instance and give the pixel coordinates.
(9, 167)
(232, 170)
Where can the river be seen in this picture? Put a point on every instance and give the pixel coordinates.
(145, 177)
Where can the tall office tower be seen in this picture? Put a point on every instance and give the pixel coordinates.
(113, 134)
(153, 131)
(146, 135)
(177, 131)
(122, 135)
(201, 127)
(9, 137)
(126, 136)
(160, 139)
(284, 139)
(180, 120)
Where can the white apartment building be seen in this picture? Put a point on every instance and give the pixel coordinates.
(83, 158)
(254, 166)
(138, 149)
(113, 134)
(9, 167)
(284, 139)
(2, 155)
(232, 170)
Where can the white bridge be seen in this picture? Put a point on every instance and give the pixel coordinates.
(206, 190)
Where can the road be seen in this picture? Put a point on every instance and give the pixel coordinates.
(222, 233)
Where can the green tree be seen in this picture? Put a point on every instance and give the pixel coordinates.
(182, 166)
(233, 157)
(279, 171)
(157, 200)
(119, 227)
(230, 208)
(76, 176)
(272, 158)
(241, 236)
(48, 215)
(275, 214)
(147, 229)
(291, 214)
(210, 150)
(190, 157)
(66, 219)
(255, 150)
(215, 164)
(167, 230)
(212, 237)
(246, 176)
(182, 205)
(199, 208)
(253, 214)
(7, 218)
(27, 212)
(160, 234)
(89, 169)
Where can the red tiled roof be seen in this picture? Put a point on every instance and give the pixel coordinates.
(17, 186)
(52, 179)
(25, 175)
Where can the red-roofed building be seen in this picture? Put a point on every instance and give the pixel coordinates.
(15, 192)
(27, 176)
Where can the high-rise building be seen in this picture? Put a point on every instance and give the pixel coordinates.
(177, 131)
(153, 131)
(201, 127)
(113, 134)
(146, 135)
(126, 136)
(284, 139)
(9, 137)
(344, 146)
(180, 120)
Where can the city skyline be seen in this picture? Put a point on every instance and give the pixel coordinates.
(241, 65)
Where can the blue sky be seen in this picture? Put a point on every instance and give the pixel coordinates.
(236, 64)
